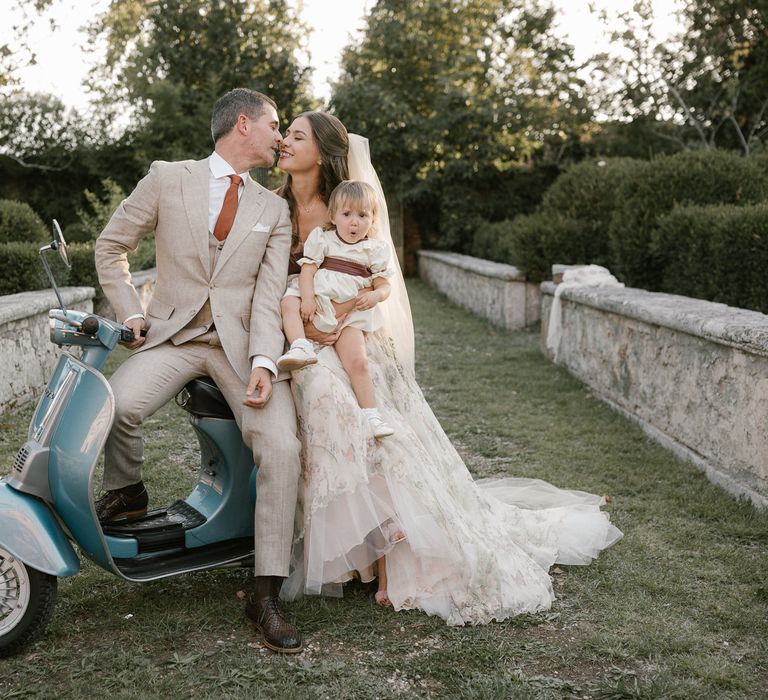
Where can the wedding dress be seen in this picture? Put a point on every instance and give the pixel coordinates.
(475, 551)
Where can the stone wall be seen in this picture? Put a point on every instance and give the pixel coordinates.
(693, 373)
(27, 355)
(495, 291)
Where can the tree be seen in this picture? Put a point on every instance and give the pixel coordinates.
(724, 71)
(45, 154)
(37, 131)
(20, 14)
(706, 88)
(453, 94)
(168, 60)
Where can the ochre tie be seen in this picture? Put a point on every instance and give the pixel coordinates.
(228, 209)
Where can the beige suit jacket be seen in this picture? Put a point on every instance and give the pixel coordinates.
(245, 287)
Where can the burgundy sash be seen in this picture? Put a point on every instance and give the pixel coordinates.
(345, 266)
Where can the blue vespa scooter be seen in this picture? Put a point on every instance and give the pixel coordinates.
(46, 502)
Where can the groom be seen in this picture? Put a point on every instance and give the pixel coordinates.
(222, 258)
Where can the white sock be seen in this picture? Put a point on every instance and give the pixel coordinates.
(302, 343)
(370, 413)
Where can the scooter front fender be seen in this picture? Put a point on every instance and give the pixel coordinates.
(31, 533)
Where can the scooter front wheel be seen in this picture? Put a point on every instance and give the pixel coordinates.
(27, 600)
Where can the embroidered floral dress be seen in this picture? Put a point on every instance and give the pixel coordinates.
(476, 551)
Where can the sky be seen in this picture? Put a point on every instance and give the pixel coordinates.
(63, 64)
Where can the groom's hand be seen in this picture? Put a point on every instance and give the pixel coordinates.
(259, 388)
(136, 325)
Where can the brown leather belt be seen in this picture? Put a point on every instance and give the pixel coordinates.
(346, 266)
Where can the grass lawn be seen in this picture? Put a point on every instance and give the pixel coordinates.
(677, 609)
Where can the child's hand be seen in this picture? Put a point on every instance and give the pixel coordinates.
(367, 300)
(307, 310)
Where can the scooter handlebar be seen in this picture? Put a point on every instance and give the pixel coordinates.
(78, 328)
(127, 336)
(90, 325)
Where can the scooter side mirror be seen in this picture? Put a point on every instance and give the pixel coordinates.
(60, 244)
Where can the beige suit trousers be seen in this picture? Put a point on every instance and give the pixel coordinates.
(149, 379)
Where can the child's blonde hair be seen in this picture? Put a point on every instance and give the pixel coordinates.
(355, 193)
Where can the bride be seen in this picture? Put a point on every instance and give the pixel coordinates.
(474, 551)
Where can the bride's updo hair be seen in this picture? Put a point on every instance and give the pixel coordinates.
(333, 143)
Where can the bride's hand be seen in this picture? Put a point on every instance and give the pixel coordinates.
(324, 338)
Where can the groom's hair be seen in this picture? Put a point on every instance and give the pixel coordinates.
(234, 103)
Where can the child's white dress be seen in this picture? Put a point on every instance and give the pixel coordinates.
(331, 285)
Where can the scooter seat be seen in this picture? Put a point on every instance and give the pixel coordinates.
(201, 397)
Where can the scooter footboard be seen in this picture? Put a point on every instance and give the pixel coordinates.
(31, 533)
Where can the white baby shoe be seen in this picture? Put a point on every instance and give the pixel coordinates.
(380, 428)
(296, 358)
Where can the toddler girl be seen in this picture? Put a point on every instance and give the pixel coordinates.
(337, 263)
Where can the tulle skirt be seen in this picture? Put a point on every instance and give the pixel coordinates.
(474, 551)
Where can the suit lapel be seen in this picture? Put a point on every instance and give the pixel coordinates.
(249, 210)
(195, 190)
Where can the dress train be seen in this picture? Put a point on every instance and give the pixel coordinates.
(475, 551)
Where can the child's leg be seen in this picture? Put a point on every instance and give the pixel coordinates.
(293, 327)
(351, 350)
(301, 352)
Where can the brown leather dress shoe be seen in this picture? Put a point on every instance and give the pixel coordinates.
(262, 610)
(127, 503)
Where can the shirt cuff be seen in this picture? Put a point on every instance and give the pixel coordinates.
(264, 361)
(130, 318)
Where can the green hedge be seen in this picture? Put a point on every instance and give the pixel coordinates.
(450, 209)
(143, 258)
(83, 272)
(19, 222)
(22, 271)
(647, 222)
(588, 192)
(91, 223)
(492, 241)
(655, 187)
(532, 242)
(535, 238)
(571, 226)
(716, 252)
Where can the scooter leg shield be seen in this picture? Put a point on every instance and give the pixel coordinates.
(30, 532)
